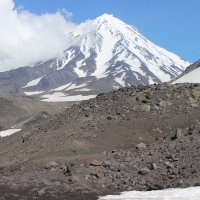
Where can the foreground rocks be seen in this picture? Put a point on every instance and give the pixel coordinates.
(169, 162)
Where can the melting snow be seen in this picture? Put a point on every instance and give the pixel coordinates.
(192, 193)
(61, 97)
(9, 132)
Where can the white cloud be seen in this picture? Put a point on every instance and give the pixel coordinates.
(27, 38)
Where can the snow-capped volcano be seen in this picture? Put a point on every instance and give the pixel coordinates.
(101, 54)
(116, 49)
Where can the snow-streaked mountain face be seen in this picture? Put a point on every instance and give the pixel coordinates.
(117, 49)
(102, 54)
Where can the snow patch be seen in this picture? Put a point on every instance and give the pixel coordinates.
(33, 93)
(192, 193)
(9, 132)
(61, 97)
(33, 82)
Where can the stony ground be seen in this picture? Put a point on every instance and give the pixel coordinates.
(140, 138)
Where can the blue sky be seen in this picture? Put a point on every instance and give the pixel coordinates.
(171, 24)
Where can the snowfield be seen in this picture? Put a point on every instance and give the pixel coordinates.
(191, 77)
(9, 132)
(192, 193)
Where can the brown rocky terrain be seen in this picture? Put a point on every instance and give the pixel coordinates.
(144, 138)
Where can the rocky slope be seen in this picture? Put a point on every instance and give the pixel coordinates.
(144, 137)
(101, 55)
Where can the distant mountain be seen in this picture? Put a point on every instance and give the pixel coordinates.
(101, 55)
(190, 75)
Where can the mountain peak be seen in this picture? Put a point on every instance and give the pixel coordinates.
(108, 18)
(103, 24)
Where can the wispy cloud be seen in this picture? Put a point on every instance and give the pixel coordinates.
(27, 38)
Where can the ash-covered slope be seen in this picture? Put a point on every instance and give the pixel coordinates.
(101, 54)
